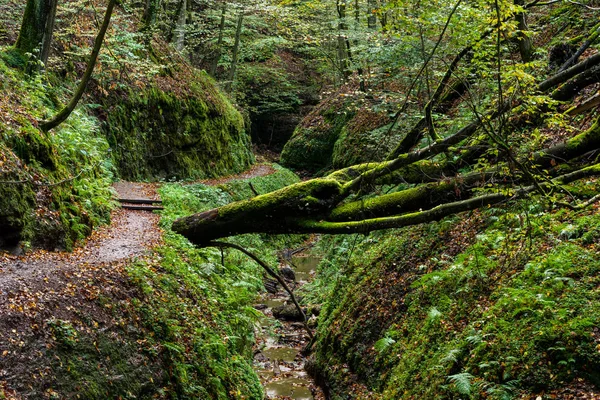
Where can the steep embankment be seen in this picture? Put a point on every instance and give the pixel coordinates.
(495, 304)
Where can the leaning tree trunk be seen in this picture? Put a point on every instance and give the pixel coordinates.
(35, 36)
(68, 109)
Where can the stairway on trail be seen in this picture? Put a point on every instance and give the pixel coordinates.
(137, 196)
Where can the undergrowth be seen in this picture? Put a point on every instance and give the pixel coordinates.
(197, 302)
(498, 305)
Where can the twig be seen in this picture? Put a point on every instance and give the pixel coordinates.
(580, 206)
(584, 5)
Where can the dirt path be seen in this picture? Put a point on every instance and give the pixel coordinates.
(256, 171)
(131, 233)
(42, 286)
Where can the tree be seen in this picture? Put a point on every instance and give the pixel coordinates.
(180, 22)
(349, 200)
(37, 27)
(236, 49)
(68, 109)
(215, 62)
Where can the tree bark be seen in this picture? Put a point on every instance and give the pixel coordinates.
(179, 34)
(316, 205)
(236, 48)
(217, 58)
(343, 44)
(372, 18)
(35, 36)
(593, 37)
(523, 39)
(150, 13)
(68, 109)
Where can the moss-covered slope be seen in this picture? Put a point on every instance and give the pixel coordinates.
(500, 304)
(54, 188)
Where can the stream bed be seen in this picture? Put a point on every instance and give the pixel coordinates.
(278, 360)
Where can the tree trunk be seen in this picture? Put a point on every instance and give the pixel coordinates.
(316, 205)
(236, 48)
(524, 40)
(372, 18)
(179, 34)
(150, 13)
(68, 109)
(217, 58)
(343, 44)
(35, 36)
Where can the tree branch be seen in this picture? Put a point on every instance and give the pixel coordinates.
(270, 272)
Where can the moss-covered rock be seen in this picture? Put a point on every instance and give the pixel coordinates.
(159, 131)
(54, 187)
(342, 130)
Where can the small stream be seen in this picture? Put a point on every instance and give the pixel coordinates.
(278, 360)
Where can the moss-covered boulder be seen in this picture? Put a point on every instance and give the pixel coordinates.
(364, 138)
(166, 131)
(344, 129)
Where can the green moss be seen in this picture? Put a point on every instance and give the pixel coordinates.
(159, 133)
(359, 146)
(311, 146)
(60, 185)
(431, 311)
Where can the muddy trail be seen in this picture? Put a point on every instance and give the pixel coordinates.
(278, 358)
(42, 286)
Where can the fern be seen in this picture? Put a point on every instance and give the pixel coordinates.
(434, 314)
(383, 344)
(451, 357)
(462, 382)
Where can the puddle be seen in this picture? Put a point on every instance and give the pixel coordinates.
(295, 388)
(272, 303)
(304, 266)
(287, 354)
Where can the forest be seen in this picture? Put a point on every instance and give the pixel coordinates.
(300, 199)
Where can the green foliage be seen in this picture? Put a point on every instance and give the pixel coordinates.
(65, 176)
(197, 307)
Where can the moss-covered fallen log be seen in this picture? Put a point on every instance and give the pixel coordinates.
(317, 205)
(200, 228)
